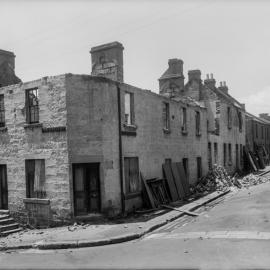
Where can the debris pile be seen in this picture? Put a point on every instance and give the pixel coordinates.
(252, 180)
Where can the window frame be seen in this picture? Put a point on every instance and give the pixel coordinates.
(198, 123)
(184, 120)
(2, 111)
(128, 190)
(28, 106)
(229, 117)
(199, 167)
(166, 116)
(131, 112)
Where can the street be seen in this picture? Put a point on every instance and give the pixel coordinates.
(230, 233)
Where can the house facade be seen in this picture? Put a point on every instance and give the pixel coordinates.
(74, 145)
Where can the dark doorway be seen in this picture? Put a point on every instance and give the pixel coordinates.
(3, 187)
(86, 184)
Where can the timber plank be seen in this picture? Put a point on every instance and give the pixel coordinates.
(177, 180)
(148, 191)
(172, 187)
(183, 177)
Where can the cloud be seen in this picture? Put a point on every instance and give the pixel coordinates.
(258, 102)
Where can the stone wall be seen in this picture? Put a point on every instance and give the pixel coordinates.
(19, 141)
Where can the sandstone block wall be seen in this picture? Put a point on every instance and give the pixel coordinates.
(19, 142)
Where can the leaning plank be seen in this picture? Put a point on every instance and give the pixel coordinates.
(148, 191)
(172, 188)
(183, 177)
(177, 181)
(183, 211)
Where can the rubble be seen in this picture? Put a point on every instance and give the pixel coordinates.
(218, 179)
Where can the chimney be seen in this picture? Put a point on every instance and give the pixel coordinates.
(210, 81)
(223, 87)
(7, 69)
(243, 106)
(194, 75)
(107, 61)
(172, 80)
(264, 116)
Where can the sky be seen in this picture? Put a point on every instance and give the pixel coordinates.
(230, 39)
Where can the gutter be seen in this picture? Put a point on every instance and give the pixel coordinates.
(120, 149)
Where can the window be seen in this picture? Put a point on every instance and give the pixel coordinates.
(209, 156)
(256, 130)
(186, 167)
(184, 120)
(240, 120)
(262, 131)
(229, 117)
(224, 154)
(198, 123)
(129, 109)
(166, 116)
(132, 179)
(230, 153)
(2, 111)
(32, 106)
(35, 178)
(241, 156)
(199, 167)
(236, 156)
(216, 153)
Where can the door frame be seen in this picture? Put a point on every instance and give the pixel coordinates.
(86, 187)
(6, 191)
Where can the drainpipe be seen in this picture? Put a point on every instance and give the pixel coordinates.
(120, 149)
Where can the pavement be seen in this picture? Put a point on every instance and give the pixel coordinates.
(97, 235)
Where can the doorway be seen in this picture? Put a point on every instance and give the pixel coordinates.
(3, 187)
(86, 184)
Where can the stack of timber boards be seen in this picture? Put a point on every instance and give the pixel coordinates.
(176, 179)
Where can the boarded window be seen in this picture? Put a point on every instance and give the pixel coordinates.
(230, 153)
(186, 167)
(198, 123)
(224, 154)
(129, 108)
(184, 119)
(166, 115)
(240, 120)
(132, 179)
(229, 117)
(2, 111)
(209, 156)
(216, 152)
(32, 106)
(199, 167)
(35, 178)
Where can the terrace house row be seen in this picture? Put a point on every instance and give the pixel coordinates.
(76, 143)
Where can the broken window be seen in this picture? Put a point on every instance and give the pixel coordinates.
(132, 179)
(129, 108)
(209, 156)
(35, 178)
(224, 154)
(216, 153)
(198, 123)
(229, 117)
(166, 115)
(32, 106)
(2, 111)
(230, 153)
(184, 120)
(186, 167)
(199, 167)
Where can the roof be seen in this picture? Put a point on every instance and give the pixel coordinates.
(258, 119)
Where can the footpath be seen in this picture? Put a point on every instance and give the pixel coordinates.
(97, 235)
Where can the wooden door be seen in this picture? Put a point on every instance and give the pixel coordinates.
(3, 187)
(86, 188)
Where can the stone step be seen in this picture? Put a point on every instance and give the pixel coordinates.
(8, 227)
(6, 233)
(6, 221)
(4, 217)
(4, 212)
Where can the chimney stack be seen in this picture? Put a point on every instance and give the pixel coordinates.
(107, 61)
(264, 116)
(172, 80)
(210, 81)
(7, 69)
(223, 87)
(194, 75)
